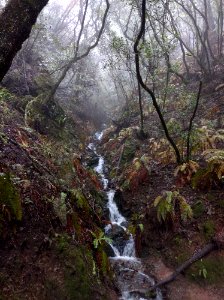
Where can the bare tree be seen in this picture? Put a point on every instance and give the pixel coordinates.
(79, 56)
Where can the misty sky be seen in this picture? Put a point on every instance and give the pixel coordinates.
(61, 2)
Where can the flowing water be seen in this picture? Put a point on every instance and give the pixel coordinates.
(129, 271)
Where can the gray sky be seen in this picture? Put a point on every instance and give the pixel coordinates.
(61, 2)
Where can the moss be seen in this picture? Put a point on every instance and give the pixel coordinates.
(214, 267)
(99, 200)
(221, 203)
(62, 242)
(10, 204)
(80, 279)
(113, 173)
(77, 226)
(102, 260)
(125, 185)
(198, 209)
(80, 200)
(78, 273)
(129, 151)
(208, 229)
(45, 116)
(5, 95)
(43, 82)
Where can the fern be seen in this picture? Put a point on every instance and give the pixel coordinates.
(99, 238)
(213, 174)
(184, 172)
(166, 207)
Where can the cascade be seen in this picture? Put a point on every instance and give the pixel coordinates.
(129, 271)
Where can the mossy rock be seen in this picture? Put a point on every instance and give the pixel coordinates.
(102, 259)
(81, 272)
(128, 154)
(45, 116)
(80, 200)
(10, 204)
(78, 272)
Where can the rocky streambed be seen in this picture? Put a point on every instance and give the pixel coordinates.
(131, 280)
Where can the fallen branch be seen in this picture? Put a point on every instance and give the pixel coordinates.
(203, 252)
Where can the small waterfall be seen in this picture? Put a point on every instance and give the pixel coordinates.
(132, 281)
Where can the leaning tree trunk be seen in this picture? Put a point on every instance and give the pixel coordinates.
(16, 21)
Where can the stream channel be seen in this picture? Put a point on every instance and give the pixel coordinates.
(131, 280)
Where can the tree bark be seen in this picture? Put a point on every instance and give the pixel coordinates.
(16, 21)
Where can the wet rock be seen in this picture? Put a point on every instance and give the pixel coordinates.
(120, 202)
(115, 232)
(131, 280)
(109, 250)
(92, 160)
(119, 237)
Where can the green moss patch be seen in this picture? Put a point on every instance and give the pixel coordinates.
(129, 151)
(79, 270)
(10, 204)
(198, 209)
(209, 270)
(208, 229)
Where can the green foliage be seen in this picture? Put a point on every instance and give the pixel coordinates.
(125, 185)
(99, 238)
(129, 151)
(208, 229)
(210, 270)
(213, 174)
(166, 206)
(5, 95)
(185, 171)
(45, 116)
(174, 126)
(10, 204)
(78, 273)
(80, 200)
(203, 272)
(198, 209)
(62, 242)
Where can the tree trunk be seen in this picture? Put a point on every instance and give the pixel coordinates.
(16, 21)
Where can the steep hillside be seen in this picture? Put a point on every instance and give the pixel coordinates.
(50, 206)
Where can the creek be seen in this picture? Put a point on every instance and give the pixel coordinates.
(131, 280)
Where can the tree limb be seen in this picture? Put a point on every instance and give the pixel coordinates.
(146, 88)
(203, 252)
(191, 122)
